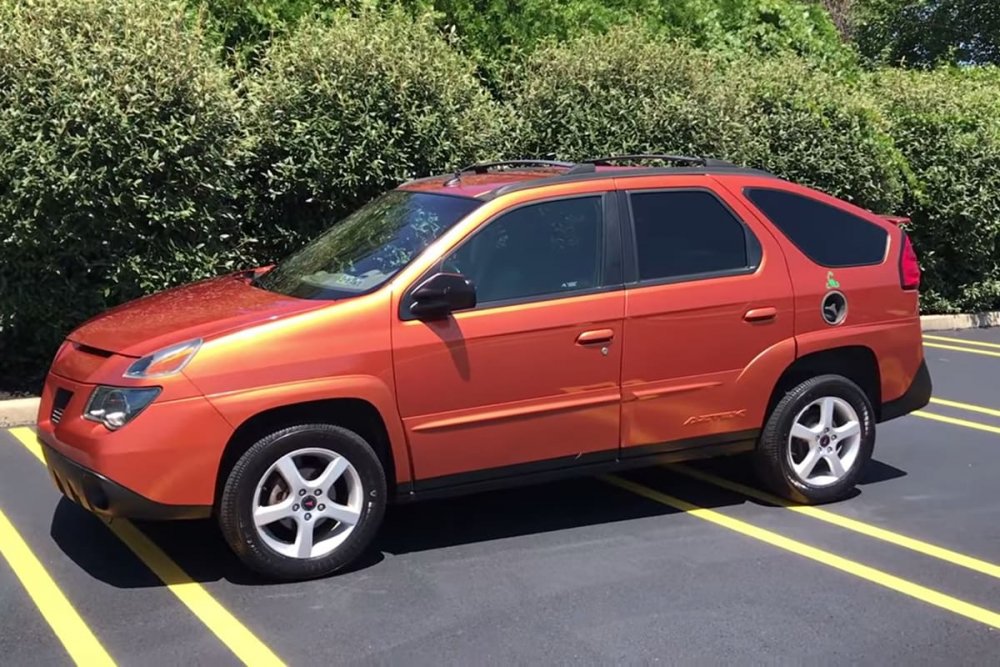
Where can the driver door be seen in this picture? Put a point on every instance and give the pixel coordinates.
(529, 379)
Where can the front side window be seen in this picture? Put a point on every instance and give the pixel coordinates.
(686, 233)
(368, 247)
(541, 249)
(826, 234)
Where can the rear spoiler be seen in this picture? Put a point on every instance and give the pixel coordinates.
(897, 220)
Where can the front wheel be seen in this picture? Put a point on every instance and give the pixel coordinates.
(303, 502)
(816, 440)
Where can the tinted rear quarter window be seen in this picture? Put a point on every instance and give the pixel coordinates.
(826, 234)
(686, 233)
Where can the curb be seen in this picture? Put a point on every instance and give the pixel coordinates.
(18, 411)
(24, 410)
(962, 321)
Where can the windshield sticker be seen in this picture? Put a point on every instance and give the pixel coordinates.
(831, 282)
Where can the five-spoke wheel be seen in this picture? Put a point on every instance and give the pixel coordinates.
(816, 440)
(308, 502)
(304, 501)
(824, 441)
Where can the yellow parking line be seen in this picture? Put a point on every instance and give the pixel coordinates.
(966, 406)
(987, 353)
(243, 643)
(963, 341)
(236, 636)
(26, 437)
(903, 541)
(81, 644)
(957, 422)
(890, 581)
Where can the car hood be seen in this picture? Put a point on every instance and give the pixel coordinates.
(200, 310)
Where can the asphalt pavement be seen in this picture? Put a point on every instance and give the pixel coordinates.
(674, 565)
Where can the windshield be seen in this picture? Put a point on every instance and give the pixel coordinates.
(368, 247)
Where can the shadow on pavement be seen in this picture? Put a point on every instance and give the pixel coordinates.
(198, 547)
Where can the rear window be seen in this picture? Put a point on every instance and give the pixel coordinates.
(825, 234)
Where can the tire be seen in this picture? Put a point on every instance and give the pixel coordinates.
(259, 482)
(783, 462)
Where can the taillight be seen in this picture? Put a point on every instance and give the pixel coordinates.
(909, 267)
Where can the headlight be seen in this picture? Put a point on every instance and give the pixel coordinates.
(168, 361)
(115, 406)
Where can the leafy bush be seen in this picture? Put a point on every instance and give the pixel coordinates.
(116, 133)
(496, 30)
(243, 27)
(493, 28)
(947, 124)
(342, 112)
(924, 33)
(629, 91)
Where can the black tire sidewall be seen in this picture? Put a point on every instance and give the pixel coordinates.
(773, 461)
(237, 500)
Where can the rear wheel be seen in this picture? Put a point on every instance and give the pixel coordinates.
(816, 440)
(303, 502)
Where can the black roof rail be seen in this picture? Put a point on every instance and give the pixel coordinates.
(642, 157)
(483, 167)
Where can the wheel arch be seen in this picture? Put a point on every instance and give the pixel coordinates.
(857, 363)
(355, 414)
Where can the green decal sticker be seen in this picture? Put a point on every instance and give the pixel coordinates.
(831, 282)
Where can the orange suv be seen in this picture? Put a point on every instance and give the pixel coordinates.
(508, 323)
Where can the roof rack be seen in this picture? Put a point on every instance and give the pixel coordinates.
(587, 169)
(483, 167)
(643, 157)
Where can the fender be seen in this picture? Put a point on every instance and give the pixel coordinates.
(897, 346)
(238, 407)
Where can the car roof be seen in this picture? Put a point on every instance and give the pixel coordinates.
(489, 180)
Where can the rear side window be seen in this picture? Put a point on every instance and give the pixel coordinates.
(827, 235)
(687, 233)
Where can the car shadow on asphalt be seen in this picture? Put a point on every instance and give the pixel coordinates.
(198, 547)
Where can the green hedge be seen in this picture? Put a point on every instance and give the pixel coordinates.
(630, 91)
(342, 112)
(495, 31)
(947, 124)
(117, 139)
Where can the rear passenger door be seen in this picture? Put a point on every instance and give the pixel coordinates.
(708, 318)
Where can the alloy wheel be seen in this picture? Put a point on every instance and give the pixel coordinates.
(307, 503)
(824, 441)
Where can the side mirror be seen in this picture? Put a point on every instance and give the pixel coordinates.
(441, 294)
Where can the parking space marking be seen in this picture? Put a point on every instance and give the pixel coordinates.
(913, 544)
(230, 631)
(26, 437)
(78, 640)
(884, 579)
(963, 341)
(988, 353)
(957, 422)
(966, 406)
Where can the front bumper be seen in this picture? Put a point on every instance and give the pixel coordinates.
(169, 454)
(98, 494)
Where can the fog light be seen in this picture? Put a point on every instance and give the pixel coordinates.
(116, 406)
